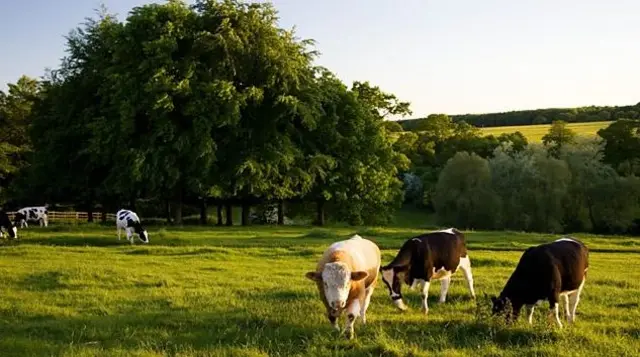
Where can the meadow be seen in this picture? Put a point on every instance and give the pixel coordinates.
(534, 133)
(240, 291)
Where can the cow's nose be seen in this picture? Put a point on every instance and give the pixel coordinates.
(343, 304)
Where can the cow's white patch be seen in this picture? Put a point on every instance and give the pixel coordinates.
(387, 276)
(336, 277)
(400, 304)
(448, 231)
(565, 239)
(15, 231)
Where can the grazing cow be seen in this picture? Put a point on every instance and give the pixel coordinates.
(430, 256)
(546, 272)
(31, 214)
(129, 221)
(346, 275)
(7, 226)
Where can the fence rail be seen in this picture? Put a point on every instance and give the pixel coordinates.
(71, 216)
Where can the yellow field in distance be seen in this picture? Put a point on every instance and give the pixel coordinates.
(534, 133)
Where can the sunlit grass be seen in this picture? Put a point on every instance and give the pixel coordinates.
(534, 133)
(77, 291)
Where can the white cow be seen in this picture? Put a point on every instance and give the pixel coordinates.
(31, 214)
(346, 275)
(130, 222)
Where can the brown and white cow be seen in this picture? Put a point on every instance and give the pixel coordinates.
(346, 275)
(427, 257)
(546, 272)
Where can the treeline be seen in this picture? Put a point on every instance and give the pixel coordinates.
(539, 116)
(180, 107)
(566, 184)
(199, 105)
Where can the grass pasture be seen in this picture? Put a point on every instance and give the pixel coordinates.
(534, 133)
(77, 291)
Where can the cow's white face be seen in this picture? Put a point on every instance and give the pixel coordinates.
(393, 281)
(336, 280)
(144, 236)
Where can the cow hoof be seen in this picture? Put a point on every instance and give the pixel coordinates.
(349, 334)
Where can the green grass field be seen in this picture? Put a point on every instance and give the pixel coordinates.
(534, 133)
(77, 291)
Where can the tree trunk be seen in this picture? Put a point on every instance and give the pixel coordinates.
(281, 212)
(246, 208)
(320, 213)
(203, 211)
(177, 208)
(229, 208)
(90, 212)
(167, 210)
(219, 215)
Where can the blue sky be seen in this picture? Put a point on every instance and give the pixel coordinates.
(444, 56)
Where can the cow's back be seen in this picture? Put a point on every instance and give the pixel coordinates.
(363, 255)
(444, 249)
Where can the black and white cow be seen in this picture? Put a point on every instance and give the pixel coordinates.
(546, 272)
(31, 214)
(7, 226)
(130, 222)
(430, 256)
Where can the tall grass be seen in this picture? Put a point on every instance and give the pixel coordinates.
(236, 291)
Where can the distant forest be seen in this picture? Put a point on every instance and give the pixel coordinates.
(540, 116)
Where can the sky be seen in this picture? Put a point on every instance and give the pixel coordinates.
(443, 56)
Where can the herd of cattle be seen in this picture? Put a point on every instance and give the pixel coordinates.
(347, 273)
(125, 220)
(348, 270)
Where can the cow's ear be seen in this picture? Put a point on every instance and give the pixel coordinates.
(359, 275)
(312, 275)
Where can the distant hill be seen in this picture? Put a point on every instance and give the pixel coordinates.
(541, 116)
(534, 133)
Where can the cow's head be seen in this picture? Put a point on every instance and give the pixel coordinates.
(142, 233)
(392, 277)
(502, 305)
(336, 279)
(19, 218)
(12, 231)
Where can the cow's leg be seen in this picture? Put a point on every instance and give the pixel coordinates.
(1, 233)
(118, 229)
(554, 309)
(129, 235)
(575, 299)
(444, 288)
(465, 265)
(333, 319)
(353, 310)
(567, 312)
(530, 309)
(46, 221)
(425, 294)
(367, 299)
(26, 225)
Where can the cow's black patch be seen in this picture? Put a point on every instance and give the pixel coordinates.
(6, 225)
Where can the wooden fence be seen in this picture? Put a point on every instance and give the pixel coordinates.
(72, 216)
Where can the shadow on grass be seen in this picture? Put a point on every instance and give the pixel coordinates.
(171, 331)
(50, 280)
